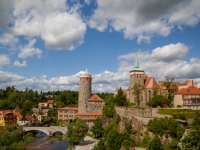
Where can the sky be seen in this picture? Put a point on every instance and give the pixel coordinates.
(46, 44)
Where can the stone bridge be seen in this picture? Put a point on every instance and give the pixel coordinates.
(48, 130)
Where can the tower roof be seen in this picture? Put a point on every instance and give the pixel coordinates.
(136, 67)
(86, 74)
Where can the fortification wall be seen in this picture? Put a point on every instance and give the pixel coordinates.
(130, 112)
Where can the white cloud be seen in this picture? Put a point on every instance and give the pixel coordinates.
(4, 60)
(142, 19)
(29, 51)
(60, 26)
(107, 81)
(170, 52)
(8, 39)
(18, 64)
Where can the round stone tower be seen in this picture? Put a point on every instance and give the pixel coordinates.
(84, 91)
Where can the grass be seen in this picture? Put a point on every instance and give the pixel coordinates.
(187, 112)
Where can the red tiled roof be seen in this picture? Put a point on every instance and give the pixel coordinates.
(189, 90)
(151, 83)
(43, 104)
(185, 82)
(69, 108)
(88, 114)
(95, 98)
(18, 115)
(50, 101)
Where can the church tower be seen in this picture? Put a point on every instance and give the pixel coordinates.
(137, 75)
(84, 91)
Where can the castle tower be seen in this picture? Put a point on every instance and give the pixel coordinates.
(84, 91)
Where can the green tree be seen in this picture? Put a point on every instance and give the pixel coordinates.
(14, 96)
(112, 142)
(171, 87)
(97, 128)
(27, 105)
(109, 108)
(137, 89)
(192, 140)
(120, 98)
(127, 144)
(100, 145)
(77, 129)
(157, 100)
(156, 144)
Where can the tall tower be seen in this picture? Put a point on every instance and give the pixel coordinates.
(84, 91)
(137, 75)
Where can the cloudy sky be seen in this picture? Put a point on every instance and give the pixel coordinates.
(46, 44)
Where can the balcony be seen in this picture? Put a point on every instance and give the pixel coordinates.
(191, 104)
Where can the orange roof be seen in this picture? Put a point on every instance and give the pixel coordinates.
(42, 104)
(18, 115)
(185, 82)
(88, 114)
(69, 108)
(189, 90)
(151, 83)
(50, 101)
(95, 98)
(3, 113)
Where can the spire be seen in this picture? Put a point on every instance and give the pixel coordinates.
(86, 71)
(136, 67)
(136, 62)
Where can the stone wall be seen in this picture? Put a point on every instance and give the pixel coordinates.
(130, 112)
(95, 107)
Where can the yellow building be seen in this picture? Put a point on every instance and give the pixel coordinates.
(67, 113)
(7, 118)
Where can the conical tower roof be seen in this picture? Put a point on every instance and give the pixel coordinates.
(136, 67)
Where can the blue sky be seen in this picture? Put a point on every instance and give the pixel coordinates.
(46, 44)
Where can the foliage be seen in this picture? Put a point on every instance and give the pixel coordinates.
(120, 99)
(77, 129)
(163, 126)
(109, 108)
(100, 145)
(97, 128)
(157, 100)
(173, 144)
(15, 138)
(127, 144)
(196, 121)
(136, 91)
(156, 144)
(171, 87)
(192, 140)
(69, 98)
(146, 139)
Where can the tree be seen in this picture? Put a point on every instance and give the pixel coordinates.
(77, 129)
(100, 145)
(136, 91)
(156, 144)
(97, 128)
(109, 108)
(112, 142)
(192, 140)
(170, 86)
(120, 98)
(157, 100)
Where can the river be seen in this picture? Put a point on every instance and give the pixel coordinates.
(42, 143)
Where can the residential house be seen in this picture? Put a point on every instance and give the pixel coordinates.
(50, 103)
(18, 116)
(67, 113)
(24, 121)
(187, 98)
(42, 105)
(7, 118)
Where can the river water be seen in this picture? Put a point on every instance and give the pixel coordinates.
(42, 143)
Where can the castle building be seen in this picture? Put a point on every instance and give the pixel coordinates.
(89, 105)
